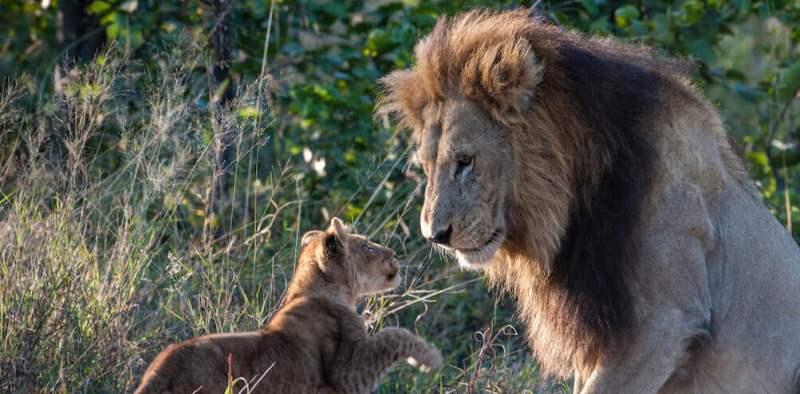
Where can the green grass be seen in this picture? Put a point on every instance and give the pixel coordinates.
(114, 243)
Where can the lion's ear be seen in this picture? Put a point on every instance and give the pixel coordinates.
(403, 98)
(503, 75)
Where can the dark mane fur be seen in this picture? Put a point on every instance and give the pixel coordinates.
(609, 95)
(613, 98)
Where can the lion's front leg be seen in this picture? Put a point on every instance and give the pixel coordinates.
(673, 315)
(657, 354)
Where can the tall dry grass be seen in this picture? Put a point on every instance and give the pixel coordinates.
(114, 241)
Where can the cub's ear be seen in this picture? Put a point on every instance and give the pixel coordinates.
(338, 228)
(334, 245)
(309, 236)
(331, 250)
(503, 75)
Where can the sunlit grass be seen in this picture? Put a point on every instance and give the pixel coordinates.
(113, 242)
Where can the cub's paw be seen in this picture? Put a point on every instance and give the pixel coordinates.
(427, 361)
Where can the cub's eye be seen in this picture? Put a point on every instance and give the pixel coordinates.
(463, 163)
(367, 247)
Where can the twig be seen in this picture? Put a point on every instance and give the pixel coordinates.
(417, 300)
(257, 119)
(380, 187)
(771, 135)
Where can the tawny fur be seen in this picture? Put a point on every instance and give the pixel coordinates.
(627, 217)
(315, 343)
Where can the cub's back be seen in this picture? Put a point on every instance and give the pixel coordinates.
(291, 353)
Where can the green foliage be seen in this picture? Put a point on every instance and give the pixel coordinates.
(114, 236)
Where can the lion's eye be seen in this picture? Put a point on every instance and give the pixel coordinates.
(463, 163)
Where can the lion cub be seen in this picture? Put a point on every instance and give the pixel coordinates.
(316, 342)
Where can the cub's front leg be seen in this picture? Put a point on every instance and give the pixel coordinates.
(361, 369)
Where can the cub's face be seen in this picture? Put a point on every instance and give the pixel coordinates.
(351, 259)
(375, 265)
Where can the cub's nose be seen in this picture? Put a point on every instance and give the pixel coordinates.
(393, 270)
(442, 237)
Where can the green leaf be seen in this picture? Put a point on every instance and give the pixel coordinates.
(744, 5)
(89, 91)
(113, 24)
(759, 158)
(322, 92)
(98, 7)
(590, 6)
(249, 113)
(789, 81)
(377, 42)
(600, 26)
(693, 10)
(112, 31)
(624, 15)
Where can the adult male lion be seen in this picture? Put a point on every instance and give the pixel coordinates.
(596, 184)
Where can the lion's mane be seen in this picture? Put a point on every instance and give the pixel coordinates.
(582, 112)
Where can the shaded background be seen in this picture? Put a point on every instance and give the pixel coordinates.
(157, 191)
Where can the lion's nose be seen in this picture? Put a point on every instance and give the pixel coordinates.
(442, 237)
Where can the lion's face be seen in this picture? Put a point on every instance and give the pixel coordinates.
(467, 158)
(466, 99)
